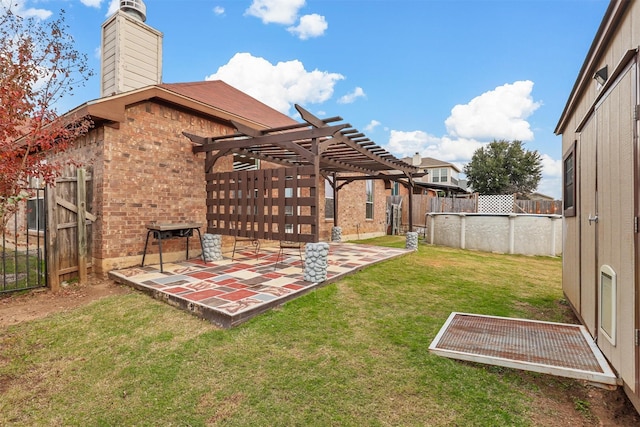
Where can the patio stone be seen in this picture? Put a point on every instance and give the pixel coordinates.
(228, 293)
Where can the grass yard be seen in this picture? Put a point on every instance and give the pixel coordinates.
(354, 353)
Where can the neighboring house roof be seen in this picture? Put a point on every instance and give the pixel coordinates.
(539, 196)
(213, 98)
(445, 187)
(430, 162)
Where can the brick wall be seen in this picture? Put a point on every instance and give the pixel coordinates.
(153, 175)
(144, 170)
(352, 209)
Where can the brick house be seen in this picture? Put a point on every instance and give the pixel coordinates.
(144, 169)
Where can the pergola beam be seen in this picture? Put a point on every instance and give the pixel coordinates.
(311, 119)
(314, 147)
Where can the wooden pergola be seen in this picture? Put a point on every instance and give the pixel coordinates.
(281, 203)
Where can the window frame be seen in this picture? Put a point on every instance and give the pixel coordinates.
(369, 199)
(444, 175)
(35, 215)
(328, 195)
(395, 188)
(569, 189)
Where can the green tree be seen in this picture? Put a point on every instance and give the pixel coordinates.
(503, 167)
(38, 66)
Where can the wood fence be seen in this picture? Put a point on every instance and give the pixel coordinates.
(69, 227)
(424, 204)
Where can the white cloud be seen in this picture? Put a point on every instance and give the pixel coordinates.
(454, 150)
(497, 114)
(550, 166)
(313, 25)
(352, 96)
(113, 7)
(280, 85)
(458, 151)
(97, 52)
(18, 8)
(550, 186)
(218, 10)
(276, 11)
(91, 3)
(373, 124)
(500, 114)
(403, 144)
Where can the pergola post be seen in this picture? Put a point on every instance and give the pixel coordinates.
(411, 188)
(315, 150)
(335, 199)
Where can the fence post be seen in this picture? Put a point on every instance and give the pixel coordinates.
(53, 267)
(553, 235)
(432, 226)
(81, 203)
(512, 233)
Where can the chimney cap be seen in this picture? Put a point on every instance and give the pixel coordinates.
(134, 8)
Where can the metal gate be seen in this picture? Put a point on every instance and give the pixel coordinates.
(22, 249)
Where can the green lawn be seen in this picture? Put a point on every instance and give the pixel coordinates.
(354, 353)
(20, 270)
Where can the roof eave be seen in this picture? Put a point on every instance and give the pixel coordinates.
(113, 108)
(612, 17)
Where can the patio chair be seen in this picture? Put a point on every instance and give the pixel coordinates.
(245, 242)
(289, 247)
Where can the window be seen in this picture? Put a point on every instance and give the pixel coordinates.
(439, 175)
(369, 203)
(288, 193)
(35, 214)
(328, 199)
(569, 182)
(444, 175)
(395, 188)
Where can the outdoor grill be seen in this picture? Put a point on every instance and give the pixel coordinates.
(164, 231)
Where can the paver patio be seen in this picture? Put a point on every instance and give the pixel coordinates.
(228, 292)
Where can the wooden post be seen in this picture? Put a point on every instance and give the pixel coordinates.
(81, 203)
(411, 186)
(315, 194)
(335, 200)
(53, 277)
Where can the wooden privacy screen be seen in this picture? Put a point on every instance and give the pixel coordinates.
(271, 204)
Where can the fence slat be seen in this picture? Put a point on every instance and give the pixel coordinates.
(81, 203)
(424, 204)
(53, 255)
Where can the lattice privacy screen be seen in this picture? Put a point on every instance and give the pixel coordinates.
(274, 204)
(496, 204)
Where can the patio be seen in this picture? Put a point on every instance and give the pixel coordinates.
(230, 292)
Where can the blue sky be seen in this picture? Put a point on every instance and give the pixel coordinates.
(438, 77)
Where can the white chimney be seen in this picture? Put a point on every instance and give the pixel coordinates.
(131, 50)
(417, 160)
